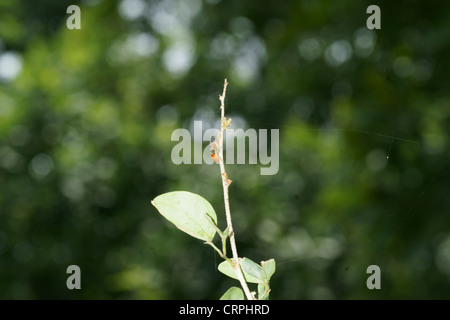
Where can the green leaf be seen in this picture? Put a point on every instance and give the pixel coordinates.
(263, 291)
(226, 268)
(268, 269)
(186, 211)
(251, 268)
(234, 293)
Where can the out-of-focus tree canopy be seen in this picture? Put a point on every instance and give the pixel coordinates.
(86, 118)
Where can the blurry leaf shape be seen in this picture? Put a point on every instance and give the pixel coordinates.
(251, 268)
(250, 272)
(234, 293)
(268, 269)
(186, 211)
(263, 291)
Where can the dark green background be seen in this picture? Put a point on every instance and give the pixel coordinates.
(364, 119)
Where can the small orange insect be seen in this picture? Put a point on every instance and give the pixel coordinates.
(214, 156)
(214, 152)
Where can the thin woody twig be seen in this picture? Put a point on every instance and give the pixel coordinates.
(226, 183)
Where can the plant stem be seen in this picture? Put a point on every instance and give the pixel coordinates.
(221, 254)
(225, 184)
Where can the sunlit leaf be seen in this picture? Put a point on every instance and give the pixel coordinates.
(186, 211)
(251, 268)
(226, 268)
(268, 269)
(234, 293)
(263, 291)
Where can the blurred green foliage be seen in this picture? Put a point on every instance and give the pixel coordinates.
(86, 118)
